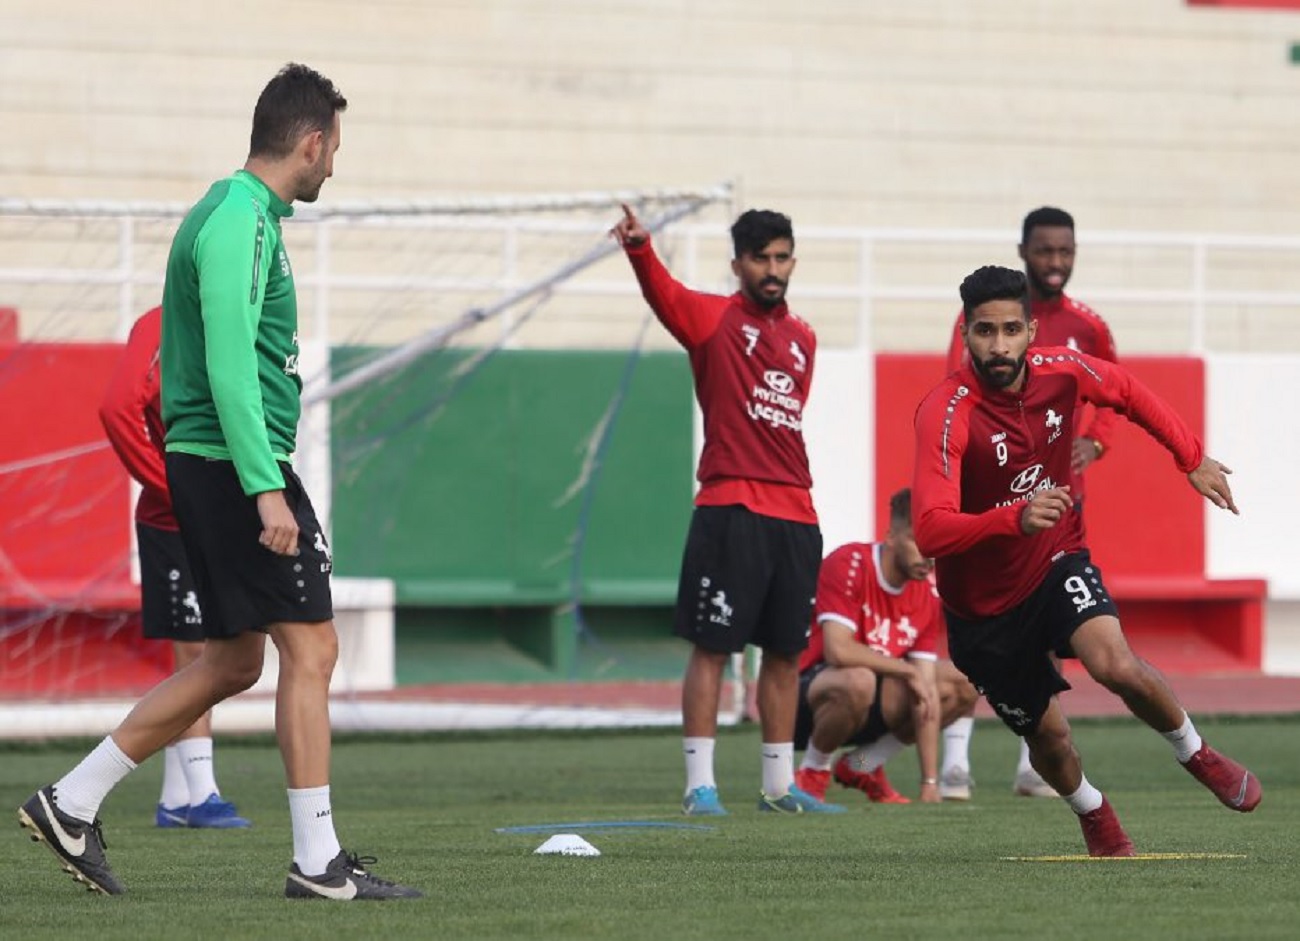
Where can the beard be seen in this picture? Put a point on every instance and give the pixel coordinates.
(769, 300)
(999, 380)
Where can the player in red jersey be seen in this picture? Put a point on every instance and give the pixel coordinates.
(1047, 248)
(992, 504)
(131, 413)
(749, 569)
(871, 676)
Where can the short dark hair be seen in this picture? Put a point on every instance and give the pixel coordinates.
(900, 510)
(994, 283)
(1047, 216)
(298, 101)
(755, 229)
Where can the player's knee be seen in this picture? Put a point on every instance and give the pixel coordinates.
(311, 654)
(1121, 672)
(236, 674)
(856, 688)
(1052, 744)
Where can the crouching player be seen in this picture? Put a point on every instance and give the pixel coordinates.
(871, 676)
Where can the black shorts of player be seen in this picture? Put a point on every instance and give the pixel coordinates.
(168, 601)
(1006, 656)
(747, 579)
(242, 585)
(871, 730)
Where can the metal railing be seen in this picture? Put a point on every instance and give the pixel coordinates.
(892, 288)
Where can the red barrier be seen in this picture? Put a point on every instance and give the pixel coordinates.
(69, 618)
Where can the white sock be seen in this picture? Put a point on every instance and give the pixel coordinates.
(956, 744)
(1185, 739)
(1024, 765)
(200, 776)
(83, 789)
(175, 792)
(778, 768)
(314, 842)
(1086, 799)
(699, 763)
(873, 757)
(815, 759)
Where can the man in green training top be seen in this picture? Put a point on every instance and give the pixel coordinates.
(230, 404)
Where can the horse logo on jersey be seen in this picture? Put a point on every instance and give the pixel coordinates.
(1054, 423)
(723, 616)
(800, 360)
(321, 546)
(1013, 714)
(191, 601)
(752, 334)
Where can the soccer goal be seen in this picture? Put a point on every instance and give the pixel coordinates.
(411, 313)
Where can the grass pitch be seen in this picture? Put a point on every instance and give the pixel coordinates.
(999, 867)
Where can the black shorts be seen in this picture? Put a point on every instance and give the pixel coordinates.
(1006, 656)
(871, 730)
(168, 601)
(747, 579)
(242, 585)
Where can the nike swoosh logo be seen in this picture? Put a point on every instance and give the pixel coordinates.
(1241, 795)
(344, 892)
(70, 846)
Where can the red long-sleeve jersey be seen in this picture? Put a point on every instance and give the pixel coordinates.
(1063, 321)
(753, 368)
(981, 454)
(131, 413)
(851, 591)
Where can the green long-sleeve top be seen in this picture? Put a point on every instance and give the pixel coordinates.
(229, 352)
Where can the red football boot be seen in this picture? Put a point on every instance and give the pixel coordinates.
(872, 783)
(1232, 784)
(814, 782)
(1103, 834)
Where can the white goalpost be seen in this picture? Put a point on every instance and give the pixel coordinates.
(401, 278)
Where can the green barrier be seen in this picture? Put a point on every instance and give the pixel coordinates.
(481, 491)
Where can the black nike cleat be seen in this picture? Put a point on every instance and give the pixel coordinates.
(345, 880)
(78, 845)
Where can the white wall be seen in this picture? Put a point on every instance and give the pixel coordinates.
(839, 428)
(1253, 425)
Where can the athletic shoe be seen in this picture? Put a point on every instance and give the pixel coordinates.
(171, 817)
(1233, 785)
(872, 783)
(215, 814)
(796, 801)
(703, 802)
(345, 880)
(78, 845)
(812, 781)
(1029, 783)
(956, 784)
(1103, 834)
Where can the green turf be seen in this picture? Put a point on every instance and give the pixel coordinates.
(428, 808)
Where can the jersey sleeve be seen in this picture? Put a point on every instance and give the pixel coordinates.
(929, 626)
(941, 528)
(956, 345)
(1102, 426)
(690, 316)
(1109, 384)
(129, 394)
(839, 588)
(233, 255)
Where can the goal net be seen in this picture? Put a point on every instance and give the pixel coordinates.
(491, 435)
